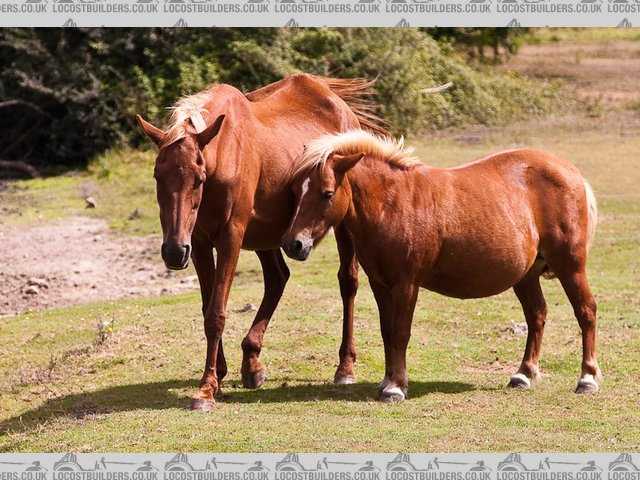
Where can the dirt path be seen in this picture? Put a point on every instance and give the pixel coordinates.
(77, 260)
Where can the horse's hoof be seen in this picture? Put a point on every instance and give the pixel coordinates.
(342, 379)
(254, 379)
(519, 380)
(392, 395)
(587, 385)
(202, 405)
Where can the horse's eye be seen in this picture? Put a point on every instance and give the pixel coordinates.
(327, 194)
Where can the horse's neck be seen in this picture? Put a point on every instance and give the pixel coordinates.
(225, 154)
(377, 189)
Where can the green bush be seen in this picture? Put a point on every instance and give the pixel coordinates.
(404, 61)
(79, 89)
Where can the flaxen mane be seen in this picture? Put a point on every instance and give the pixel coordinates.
(190, 108)
(390, 150)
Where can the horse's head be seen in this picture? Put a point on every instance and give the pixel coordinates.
(322, 200)
(180, 173)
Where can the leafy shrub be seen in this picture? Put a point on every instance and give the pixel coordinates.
(78, 90)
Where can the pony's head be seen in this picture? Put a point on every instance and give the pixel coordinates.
(322, 200)
(320, 185)
(180, 174)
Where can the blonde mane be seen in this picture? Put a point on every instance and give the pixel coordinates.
(390, 150)
(191, 108)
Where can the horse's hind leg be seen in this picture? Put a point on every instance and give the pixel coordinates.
(276, 275)
(530, 295)
(568, 263)
(576, 287)
(348, 279)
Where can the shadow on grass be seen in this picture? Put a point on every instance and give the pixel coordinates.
(176, 394)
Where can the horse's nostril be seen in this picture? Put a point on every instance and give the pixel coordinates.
(176, 256)
(297, 246)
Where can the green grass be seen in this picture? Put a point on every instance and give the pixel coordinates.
(63, 391)
(119, 182)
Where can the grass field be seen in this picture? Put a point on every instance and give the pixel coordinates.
(63, 389)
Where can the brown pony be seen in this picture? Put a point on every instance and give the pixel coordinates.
(466, 232)
(223, 172)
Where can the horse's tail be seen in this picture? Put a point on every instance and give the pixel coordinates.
(358, 94)
(592, 206)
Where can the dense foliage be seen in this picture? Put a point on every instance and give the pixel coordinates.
(67, 94)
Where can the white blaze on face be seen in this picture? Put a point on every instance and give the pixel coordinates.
(305, 189)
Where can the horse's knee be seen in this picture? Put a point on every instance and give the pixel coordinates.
(213, 325)
(348, 280)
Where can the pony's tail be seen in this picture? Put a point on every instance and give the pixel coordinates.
(592, 206)
(358, 93)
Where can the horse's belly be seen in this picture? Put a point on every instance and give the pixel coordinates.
(468, 288)
(476, 276)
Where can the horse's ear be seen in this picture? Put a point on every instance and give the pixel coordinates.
(154, 133)
(205, 136)
(343, 163)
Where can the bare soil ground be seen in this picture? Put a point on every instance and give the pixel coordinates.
(77, 260)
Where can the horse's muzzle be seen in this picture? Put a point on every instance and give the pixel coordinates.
(176, 257)
(297, 249)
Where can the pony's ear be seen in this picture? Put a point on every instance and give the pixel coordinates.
(341, 164)
(154, 133)
(205, 136)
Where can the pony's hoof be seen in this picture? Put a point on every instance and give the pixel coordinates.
(342, 379)
(254, 379)
(202, 405)
(519, 380)
(392, 395)
(587, 385)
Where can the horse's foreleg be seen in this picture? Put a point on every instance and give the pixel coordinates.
(404, 301)
(385, 307)
(348, 279)
(275, 274)
(204, 263)
(533, 303)
(214, 318)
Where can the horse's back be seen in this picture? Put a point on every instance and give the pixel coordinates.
(302, 94)
(540, 176)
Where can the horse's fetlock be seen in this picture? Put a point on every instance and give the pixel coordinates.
(249, 345)
(348, 352)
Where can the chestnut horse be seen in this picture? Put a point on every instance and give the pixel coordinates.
(223, 172)
(467, 232)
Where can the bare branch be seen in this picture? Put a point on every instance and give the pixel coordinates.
(439, 89)
(20, 166)
(22, 103)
